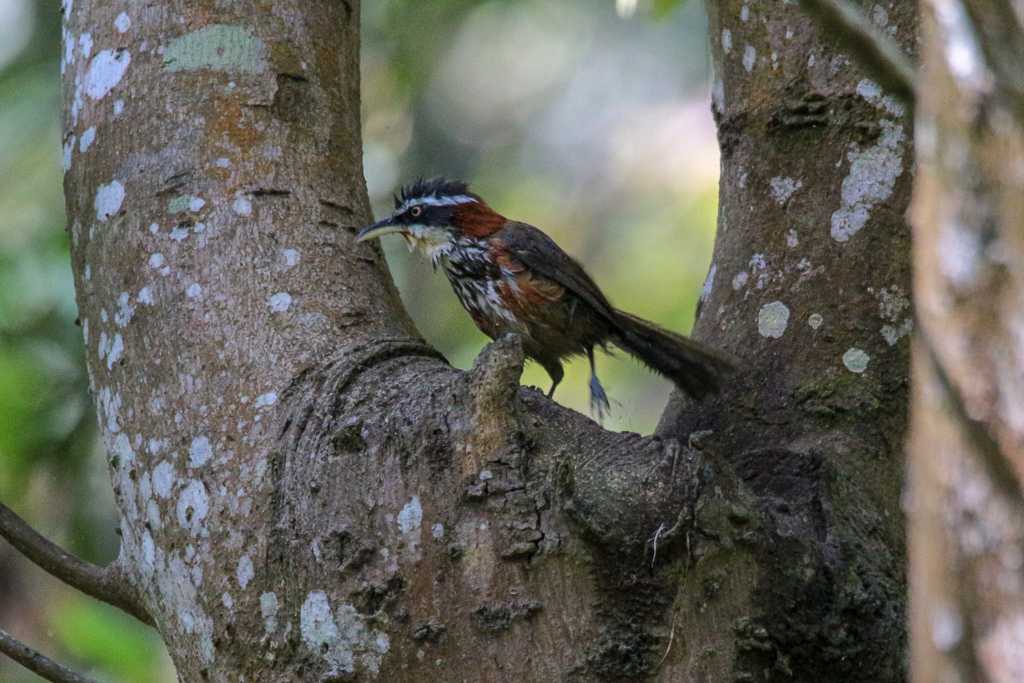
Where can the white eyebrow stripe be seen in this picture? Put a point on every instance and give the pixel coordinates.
(437, 201)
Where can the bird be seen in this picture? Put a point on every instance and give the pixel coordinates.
(511, 277)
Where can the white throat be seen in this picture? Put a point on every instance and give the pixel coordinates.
(433, 242)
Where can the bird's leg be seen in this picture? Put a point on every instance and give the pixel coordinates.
(555, 370)
(599, 404)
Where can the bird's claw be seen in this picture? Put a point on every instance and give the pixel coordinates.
(600, 407)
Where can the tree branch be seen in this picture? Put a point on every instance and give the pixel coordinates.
(1000, 37)
(103, 583)
(880, 56)
(999, 470)
(38, 663)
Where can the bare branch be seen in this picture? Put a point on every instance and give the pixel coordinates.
(103, 583)
(879, 55)
(38, 663)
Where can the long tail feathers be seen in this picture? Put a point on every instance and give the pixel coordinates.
(696, 369)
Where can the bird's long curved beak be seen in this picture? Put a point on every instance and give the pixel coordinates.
(379, 229)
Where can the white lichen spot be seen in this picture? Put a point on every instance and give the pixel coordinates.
(869, 90)
(960, 251)
(727, 40)
(783, 188)
(242, 206)
(437, 531)
(179, 234)
(105, 71)
(338, 642)
(118, 107)
(122, 23)
(759, 266)
(269, 608)
(194, 291)
(199, 452)
(291, 257)
(163, 479)
(227, 600)
(879, 16)
(772, 320)
(280, 302)
(745, 14)
(893, 333)
(116, 351)
(156, 260)
(69, 148)
(85, 44)
(856, 360)
(872, 92)
(87, 272)
(245, 571)
(148, 565)
(872, 177)
(749, 58)
(265, 400)
(108, 200)
(947, 628)
(88, 137)
(320, 632)
(411, 516)
(709, 283)
(193, 506)
(815, 320)
(792, 239)
(222, 162)
(740, 280)
(718, 95)
(486, 475)
(68, 39)
(125, 311)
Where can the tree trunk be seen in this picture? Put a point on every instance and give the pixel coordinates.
(308, 492)
(967, 458)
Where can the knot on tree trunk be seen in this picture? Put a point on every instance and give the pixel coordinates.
(496, 430)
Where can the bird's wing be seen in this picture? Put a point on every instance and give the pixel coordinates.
(543, 257)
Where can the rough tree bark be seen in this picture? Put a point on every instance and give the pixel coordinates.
(967, 458)
(308, 492)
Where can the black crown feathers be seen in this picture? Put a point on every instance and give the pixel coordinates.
(431, 187)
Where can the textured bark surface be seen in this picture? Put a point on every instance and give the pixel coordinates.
(310, 493)
(967, 466)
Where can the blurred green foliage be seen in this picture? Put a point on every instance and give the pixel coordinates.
(587, 119)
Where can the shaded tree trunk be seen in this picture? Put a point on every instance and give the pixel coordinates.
(967, 461)
(308, 492)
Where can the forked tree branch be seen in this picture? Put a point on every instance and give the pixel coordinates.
(103, 583)
(878, 54)
(38, 663)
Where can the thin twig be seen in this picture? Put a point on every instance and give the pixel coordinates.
(879, 55)
(103, 583)
(1000, 471)
(38, 663)
(671, 639)
(657, 535)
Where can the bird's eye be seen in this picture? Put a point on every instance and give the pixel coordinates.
(416, 211)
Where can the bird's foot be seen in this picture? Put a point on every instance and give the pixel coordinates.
(600, 407)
